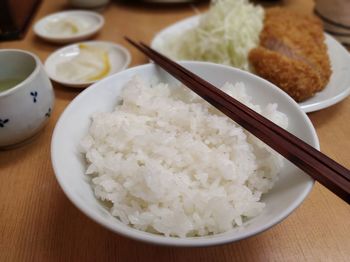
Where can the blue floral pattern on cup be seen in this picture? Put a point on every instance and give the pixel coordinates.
(34, 95)
(3, 122)
(48, 113)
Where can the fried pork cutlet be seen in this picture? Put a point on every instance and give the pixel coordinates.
(292, 53)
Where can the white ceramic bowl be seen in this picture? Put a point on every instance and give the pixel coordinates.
(26, 107)
(87, 22)
(118, 55)
(69, 165)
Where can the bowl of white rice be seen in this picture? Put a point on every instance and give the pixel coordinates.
(144, 156)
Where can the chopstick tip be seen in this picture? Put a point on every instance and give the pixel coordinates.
(127, 38)
(131, 41)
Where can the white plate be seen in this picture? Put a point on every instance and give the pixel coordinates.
(69, 164)
(87, 22)
(337, 89)
(119, 58)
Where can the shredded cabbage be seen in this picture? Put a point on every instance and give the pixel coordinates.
(224, 35)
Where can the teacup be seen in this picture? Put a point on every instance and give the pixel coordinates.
(26, 96)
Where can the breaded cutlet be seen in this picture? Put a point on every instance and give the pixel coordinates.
(292, 53)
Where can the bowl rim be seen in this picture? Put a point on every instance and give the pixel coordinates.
(135, 234)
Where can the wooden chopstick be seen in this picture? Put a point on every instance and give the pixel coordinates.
(323, 169)
(280, 131)
(332, 183)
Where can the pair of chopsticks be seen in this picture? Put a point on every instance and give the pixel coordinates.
(320, 167)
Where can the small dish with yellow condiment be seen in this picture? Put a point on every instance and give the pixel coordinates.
(79, 65)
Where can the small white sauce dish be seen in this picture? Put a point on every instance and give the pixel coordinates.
(118, 59)
(69, 26)
(27, 103)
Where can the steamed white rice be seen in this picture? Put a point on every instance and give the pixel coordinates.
(170, 163)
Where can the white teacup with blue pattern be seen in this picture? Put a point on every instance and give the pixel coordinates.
(26, 96)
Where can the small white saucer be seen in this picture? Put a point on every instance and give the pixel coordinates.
(55, 27)
(119, 58)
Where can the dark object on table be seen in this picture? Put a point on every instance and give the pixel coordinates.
(15, 17)
(336, 18)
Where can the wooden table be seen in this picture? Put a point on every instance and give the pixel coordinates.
(38, 222)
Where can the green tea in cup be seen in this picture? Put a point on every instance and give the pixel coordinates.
(8, 83)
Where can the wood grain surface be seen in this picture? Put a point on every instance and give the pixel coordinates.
(38, 222)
